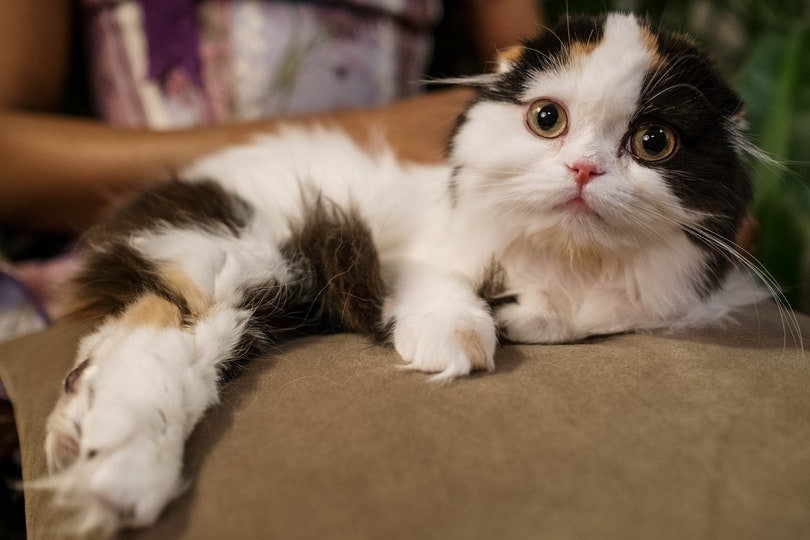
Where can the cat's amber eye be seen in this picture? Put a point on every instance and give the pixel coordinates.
(653, 143)
(547, 119)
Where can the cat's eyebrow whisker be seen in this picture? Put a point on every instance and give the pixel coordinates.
(556, 35)
(485, 79)
(647, 102)
(548, 57)
(663, 75)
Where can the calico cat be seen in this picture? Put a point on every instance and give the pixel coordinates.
(594, 186)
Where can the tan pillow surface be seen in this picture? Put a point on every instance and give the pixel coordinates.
(698, 434)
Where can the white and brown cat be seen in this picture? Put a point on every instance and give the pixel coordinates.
(594, 186)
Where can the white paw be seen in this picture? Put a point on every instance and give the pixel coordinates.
(447, 346)
(126, 484)
(531, 320)
(115, 439)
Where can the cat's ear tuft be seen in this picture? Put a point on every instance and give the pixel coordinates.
(740, 118)
(507, 58)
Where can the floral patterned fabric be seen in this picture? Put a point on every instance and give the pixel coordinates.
(175, 63)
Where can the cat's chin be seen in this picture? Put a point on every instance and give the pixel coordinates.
(575, 233)
(574, 239)
(580, 224)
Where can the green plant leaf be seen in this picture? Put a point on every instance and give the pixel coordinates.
(771, 84)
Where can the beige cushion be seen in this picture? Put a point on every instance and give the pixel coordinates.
(701, 434)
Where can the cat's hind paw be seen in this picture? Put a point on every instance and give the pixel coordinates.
(108, 489)
(115, 439)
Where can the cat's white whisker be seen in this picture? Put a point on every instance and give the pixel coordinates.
(670, 88)
(789, 322)
(481, 80)
(736, 255)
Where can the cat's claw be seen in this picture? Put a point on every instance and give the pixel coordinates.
(447, 349)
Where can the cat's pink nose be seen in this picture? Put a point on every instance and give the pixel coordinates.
(584, 171)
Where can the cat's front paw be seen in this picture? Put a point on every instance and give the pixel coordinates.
(446, 345)
(530, 319)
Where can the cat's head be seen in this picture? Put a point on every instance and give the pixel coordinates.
(606, 133)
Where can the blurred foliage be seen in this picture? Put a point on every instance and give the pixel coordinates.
(764, 49)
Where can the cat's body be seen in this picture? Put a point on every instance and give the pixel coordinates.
(594, 187)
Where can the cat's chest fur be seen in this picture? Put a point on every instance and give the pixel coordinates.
(543, 293)
(557, 297)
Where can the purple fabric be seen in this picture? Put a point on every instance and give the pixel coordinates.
(14, 293)
(214, 61)
(173, 38)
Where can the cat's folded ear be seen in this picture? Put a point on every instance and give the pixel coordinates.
(507, 58)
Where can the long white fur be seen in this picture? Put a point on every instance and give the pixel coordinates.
(133, 408)
(575, 275)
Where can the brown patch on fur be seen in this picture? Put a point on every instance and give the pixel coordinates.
(115, 274)
(181, 285)
(507, 57)
(337, 247)
(579, 49)
(152, 310)
(491, 288)
(474, 349)
(112, 276)
(650, 41)
(203, 204)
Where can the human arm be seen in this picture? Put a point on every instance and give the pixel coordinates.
(58, 172)
(499, 24)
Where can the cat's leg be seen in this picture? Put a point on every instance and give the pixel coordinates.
(185, 303)
(142, 381)
(440, 325)
(533, 318)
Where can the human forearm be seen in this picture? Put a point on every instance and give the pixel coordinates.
(499, 24)
(58, 173)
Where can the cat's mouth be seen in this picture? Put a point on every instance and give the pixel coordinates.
(579, 206)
